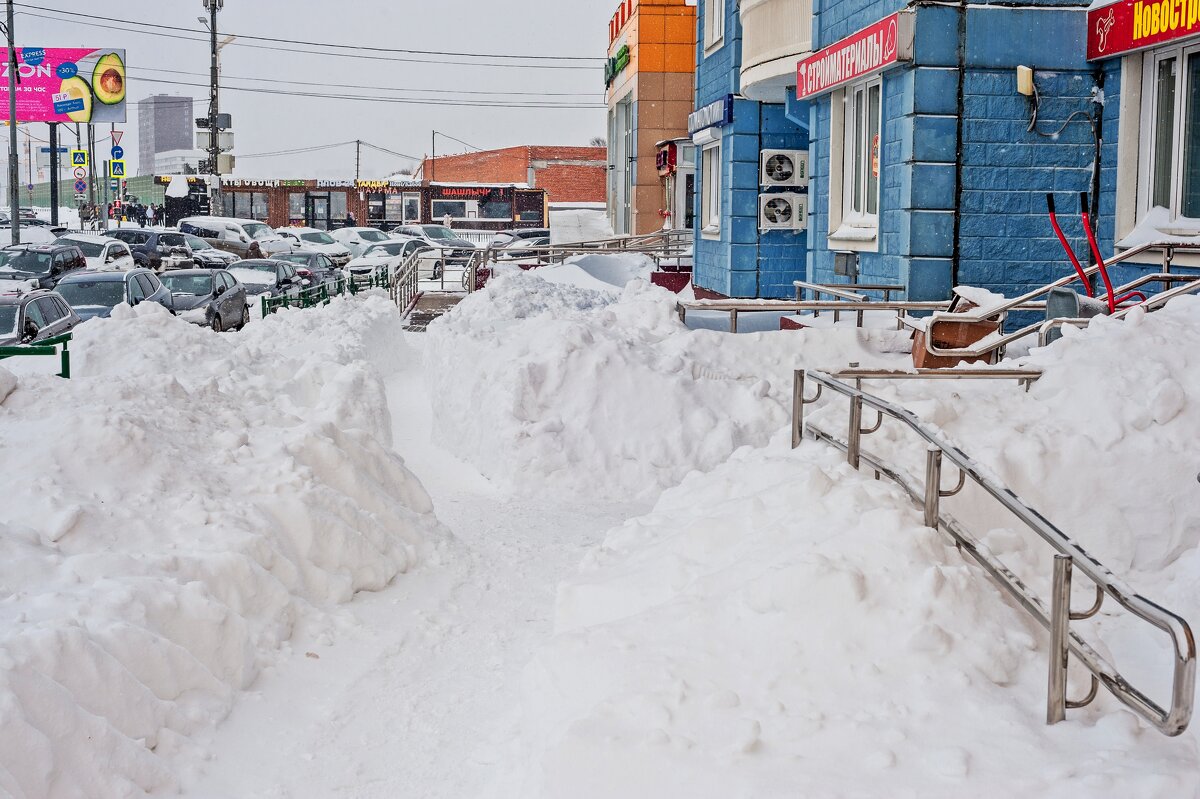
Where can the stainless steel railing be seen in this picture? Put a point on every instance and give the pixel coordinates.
(1065, 641)
(735, 308)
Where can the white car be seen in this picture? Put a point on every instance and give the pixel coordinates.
(103, 254)
(30, 234)
(394, 252)
(314, 240)
(358, 239)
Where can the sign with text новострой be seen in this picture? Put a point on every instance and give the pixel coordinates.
(1131, 25)
(874, 48)
(67, 84)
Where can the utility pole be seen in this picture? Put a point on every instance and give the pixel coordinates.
(433, 158)
(91, 165)
(14, 197)
(357, 160)
(54, 173)
(214, 101)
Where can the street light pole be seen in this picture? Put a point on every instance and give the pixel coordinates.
(214, 100)
(14, 195)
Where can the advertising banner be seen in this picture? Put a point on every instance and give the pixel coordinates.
(66, 85)
(1135, 24)
(874, 48)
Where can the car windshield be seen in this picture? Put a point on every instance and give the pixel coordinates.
(317, 238)
(372, 235)
(258, 274)
(259, 231)
(295, 258)
(24, 261)
(197, 285)
(8, 319)
(394, 248)
(436, 232)
(196, 243)
(92, 292)
(90, 249)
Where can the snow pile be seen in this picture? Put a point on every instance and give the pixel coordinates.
(552, 386)
(783, 626)
(172, 515)
(600, 272)
(576, 224)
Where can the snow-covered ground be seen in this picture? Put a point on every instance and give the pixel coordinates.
(599, 569)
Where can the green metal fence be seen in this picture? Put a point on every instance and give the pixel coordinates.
(47, 347)
(322, 294)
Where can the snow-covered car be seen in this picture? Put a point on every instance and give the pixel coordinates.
(33, 316)
(358, 239)
(205, 256)
(94, 294)
(394, 253)
(210, 297)
(29, 235)
(314, 267)
(453, 249)
(503, 238)
(235, 235)
(101, 252)
(267, 276)
(40, 265)
(155, 249)
(520, 248)
(308, 238)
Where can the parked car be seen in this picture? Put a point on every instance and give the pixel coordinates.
(94, 294)
(308, 238)
(454, 250)
(267, 276)
(519, 248)
(33, 316)
(210, 297)
(101, 252)
(234, 235)
(155, 249)
(358, 239)
(40, 264)
(29, 235)
(505, 237)
(315, 267)
(206, 256)
(394, 252)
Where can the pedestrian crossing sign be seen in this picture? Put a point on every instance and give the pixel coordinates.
(116, 169)
(79, 158)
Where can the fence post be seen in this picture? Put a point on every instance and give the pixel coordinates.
(797, 408)
(855, 433)
(1060, 619)
(66, 362)
(733, 320)
(933, 486)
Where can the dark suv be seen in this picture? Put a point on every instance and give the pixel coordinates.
(46, 264)
(34, 316)
(155, 249)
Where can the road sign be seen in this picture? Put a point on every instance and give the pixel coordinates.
(114, 185)
(118, 152)
(116, 168)
(79, 158)
(80, 173)
(116, 137)
(80, 186)
(80, 197)
(48, 150)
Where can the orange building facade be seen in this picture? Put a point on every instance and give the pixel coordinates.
(649, 79)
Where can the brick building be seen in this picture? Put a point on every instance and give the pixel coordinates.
(568, 174)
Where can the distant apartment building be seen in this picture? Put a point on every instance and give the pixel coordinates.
(165, 124)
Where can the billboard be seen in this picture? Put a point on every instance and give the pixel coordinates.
(66, 84)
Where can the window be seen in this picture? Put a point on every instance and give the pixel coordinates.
(855, 153)
(147, 285)
(33, 313)
(495, 209)
(337, 205)
(49, 310)
(455, 209)
(710, 185)
(296, 206)
(1171, 99)
(136, 292)
(714, 23)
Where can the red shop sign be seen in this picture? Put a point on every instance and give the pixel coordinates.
(871, 49)
(1136, 24)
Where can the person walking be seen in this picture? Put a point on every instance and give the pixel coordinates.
(150, 215)
(350, 220)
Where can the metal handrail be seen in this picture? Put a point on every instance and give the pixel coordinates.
(44, 347)
(405, 287)
(1171, 721)
(735, 307)
(1190, 284)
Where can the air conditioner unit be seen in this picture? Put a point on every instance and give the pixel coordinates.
(784, 167)
(784, 211)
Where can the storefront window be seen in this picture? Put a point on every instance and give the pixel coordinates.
(455, 209)
(1171, 132)
(1190, 205)
(412, 208)
(495, 209)
(337, 205)
(710, 200)
(394, 208)
(296, 207)
(862, 152)
(258, 206)
(1164, 134)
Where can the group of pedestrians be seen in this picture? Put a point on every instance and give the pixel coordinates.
(145, 215)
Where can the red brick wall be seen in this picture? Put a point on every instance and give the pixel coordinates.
(569, 174)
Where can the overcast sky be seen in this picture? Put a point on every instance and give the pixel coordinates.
(268, 123)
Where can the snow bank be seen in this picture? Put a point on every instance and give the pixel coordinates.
(172, 515)
(600, 272)
(783, 626)
(547, 386)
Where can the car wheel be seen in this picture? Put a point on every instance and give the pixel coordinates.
(216, 323)
(245, 316)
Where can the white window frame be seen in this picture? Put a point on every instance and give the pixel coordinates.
(710, 188)
(1147, 117)
(714, 24)
(854, 228)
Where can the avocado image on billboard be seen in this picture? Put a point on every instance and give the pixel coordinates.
(78, 89)
(65, 84)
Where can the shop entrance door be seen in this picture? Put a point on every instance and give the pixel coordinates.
(316, 211)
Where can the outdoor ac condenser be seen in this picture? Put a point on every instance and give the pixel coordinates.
(783, 211)
(784, 168)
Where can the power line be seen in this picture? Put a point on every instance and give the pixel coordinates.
(326, 53)
(390, 152)
(324, 44)
(460, 141)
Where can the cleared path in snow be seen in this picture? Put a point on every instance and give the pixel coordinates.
(416, 695)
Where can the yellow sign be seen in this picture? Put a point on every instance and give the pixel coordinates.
(79, 158)
(116, 168)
